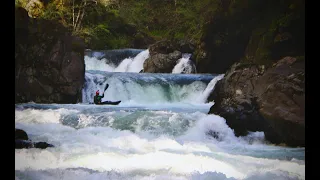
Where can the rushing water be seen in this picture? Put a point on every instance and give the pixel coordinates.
(184, 65)
(160, 130)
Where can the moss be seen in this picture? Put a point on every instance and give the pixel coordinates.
(285, 20)
(254, 41)
(263, 38)
(263, 50)
(179, 35)
(300, 58)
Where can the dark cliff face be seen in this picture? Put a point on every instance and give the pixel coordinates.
(261, 32)
(49, 61)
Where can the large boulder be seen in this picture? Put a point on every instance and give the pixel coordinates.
(165, 54)
(49, 61)
(161, 63)
(252, 98)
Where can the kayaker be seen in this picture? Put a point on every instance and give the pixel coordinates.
(97, 98)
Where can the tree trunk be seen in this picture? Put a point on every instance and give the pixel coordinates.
(72, 13)
(75, 24)
(79, 21)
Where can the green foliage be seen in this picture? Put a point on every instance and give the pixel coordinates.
(52, 12)
(108, 23)
(167, 20)
(300, 58)
(285, 20)
(20, 3)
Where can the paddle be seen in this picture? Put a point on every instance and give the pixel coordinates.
(107, 85)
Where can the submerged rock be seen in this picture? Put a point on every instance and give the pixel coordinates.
(214, 134)
(42, 145)
(23, 144)
(251, 98)
(21, 134)
(22, 141)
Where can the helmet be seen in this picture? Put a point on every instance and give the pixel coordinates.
(97, 92)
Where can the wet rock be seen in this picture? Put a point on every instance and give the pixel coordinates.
(272, 101)
(161, 63)
(22, 141)
(21, 144)
(164, 55)
(21, 134)
(214, 134)
(42, 145)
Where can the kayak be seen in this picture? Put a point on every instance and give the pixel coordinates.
(109, 103)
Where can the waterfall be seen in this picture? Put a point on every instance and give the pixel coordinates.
(184, 65)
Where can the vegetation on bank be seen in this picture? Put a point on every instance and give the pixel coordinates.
(97, 22)
(224, 31)
(260, 32)
(126, 23)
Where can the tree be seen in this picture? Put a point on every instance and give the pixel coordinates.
(69, 12)
(79, 8)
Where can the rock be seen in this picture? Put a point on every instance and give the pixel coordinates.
(214, 134)
(21, 134)
(24, 144)
(22, 141)
(175, 55)
(165, 54)
(42, 145)
(49, 62)
(161, 63)
(251, 98)
(21, 144)
(186, 46)
(162, 47)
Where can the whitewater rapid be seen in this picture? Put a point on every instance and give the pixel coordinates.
(148, 144)
(149, 88)
(160, 130)
(101, 61)
(129, 64)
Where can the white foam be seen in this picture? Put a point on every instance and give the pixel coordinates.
(129, 90)
(184, 65)
(41, 116)
(137, 62)
(127, 65)
(92, 63)
(190, 155)
(85, 174)
(123, 66)
(205, 94)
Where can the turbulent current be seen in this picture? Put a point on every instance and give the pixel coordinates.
(160, 130)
